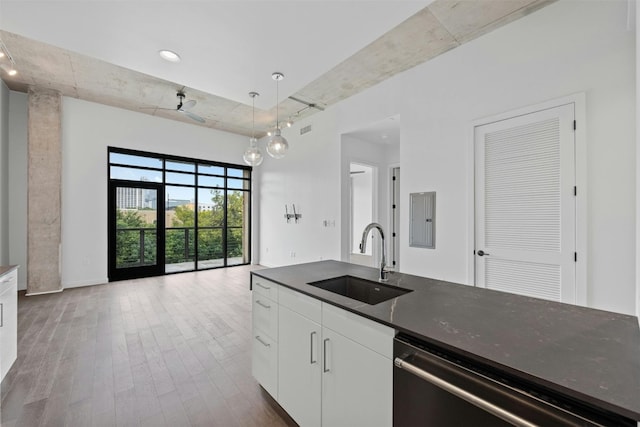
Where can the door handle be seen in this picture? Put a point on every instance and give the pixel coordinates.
(261, 304)
(462, 394)
(311, 345)
(263, 342)
(324, 368)
(482, 253)
(263, 286)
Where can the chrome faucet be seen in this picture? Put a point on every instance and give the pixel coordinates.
(363, 248)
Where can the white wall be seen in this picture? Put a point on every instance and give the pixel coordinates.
(567, 47)
(308, 176)
(87, 130)
(4, 174)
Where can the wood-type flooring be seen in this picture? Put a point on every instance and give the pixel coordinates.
(165, 351)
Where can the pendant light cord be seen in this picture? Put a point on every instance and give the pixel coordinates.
(253, 116)
(277, 97)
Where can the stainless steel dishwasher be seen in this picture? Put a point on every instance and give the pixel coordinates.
(434, 388)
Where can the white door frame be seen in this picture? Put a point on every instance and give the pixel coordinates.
(389, 224)
(579, 101)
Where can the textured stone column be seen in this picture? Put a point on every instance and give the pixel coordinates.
(44, 188)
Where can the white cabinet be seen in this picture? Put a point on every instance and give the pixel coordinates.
(324, 365)
(357, 379)
(299, 375)
(357, 384)
(334, 367)
(264, 345)
(8, 321)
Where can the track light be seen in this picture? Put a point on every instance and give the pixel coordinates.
(9, 70)
(8, 64)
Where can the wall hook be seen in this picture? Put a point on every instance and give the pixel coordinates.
(296, 215)
(287, 215)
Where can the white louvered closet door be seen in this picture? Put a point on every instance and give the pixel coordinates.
(525, 204)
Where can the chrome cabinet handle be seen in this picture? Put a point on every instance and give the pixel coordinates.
(266, 344)
(311, 345)
(1, 315)
(324, 368)
(462, 394)
(263, 286)
(261, 304)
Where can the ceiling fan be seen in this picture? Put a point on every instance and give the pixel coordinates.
(185, 107)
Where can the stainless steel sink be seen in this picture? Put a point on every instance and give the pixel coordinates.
(367, 291)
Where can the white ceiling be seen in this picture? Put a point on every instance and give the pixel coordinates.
(228, 48)
(107, 51)
(386, 132)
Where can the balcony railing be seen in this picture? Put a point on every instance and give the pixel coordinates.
(136, 246)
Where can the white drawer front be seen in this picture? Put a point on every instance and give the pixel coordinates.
(373, 335)
(307, 306)
(8, 280)
(265, 315)
(264, 363)
(265, 287)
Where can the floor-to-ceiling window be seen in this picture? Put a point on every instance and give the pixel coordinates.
(169, 214)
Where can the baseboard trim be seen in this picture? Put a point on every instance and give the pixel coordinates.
(31, 294)
(80, 284)
(268, 265)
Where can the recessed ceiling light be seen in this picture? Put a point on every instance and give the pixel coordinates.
(12, 72)
(1, 54)
(169, 55)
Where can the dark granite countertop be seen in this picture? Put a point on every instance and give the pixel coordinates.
(587, 354)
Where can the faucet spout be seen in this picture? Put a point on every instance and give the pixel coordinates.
(363, 248)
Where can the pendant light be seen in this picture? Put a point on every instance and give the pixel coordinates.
(277, 145)
(253, 155)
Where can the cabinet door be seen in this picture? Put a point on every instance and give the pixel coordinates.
(299, 363)
(9, 322)
(356, 384)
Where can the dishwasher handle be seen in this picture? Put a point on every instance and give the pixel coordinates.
(463, 394)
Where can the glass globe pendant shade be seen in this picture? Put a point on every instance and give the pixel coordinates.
(253, 155)
(277, 146)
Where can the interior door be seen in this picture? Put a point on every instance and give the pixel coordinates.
(525, 216)
(136, 230)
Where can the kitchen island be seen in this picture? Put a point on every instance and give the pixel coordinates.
(591, 356)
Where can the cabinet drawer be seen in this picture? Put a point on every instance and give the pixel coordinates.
(264, 362)
(8, 280)
(8, 321)
(264, 287)
(373, 335)
(265, 315)
(310, 308)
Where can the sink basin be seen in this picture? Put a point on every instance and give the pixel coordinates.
(367, 291)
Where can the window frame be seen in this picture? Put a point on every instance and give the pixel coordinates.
(246, 172)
